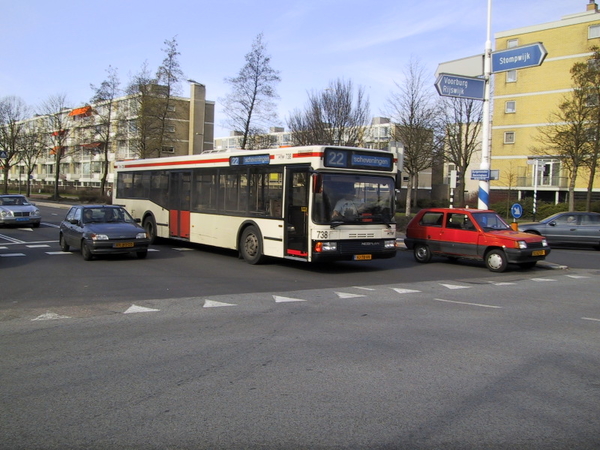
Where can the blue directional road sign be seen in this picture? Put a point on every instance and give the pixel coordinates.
(518, 57)
(449, 85)
(516, 210)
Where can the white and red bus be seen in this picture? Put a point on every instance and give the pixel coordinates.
(268, 203)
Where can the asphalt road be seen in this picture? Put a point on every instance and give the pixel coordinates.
(193, 348)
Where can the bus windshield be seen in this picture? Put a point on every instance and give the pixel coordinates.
(341, 199)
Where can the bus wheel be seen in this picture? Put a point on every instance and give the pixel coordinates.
(150, 227)
(251, 246)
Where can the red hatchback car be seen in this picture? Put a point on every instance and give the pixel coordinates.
(474, 234)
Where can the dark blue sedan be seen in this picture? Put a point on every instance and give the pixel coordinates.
(102, 230)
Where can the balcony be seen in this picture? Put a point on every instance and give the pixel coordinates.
(554, 182)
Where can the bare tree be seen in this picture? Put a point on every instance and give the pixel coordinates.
(567, 137)
(54, 108)
(103, 99)
(414, 114)
(586, 77)
(250, 106)
(13, 111)
(333, 116)
(152, 104)
(168, 77)
(144, 128)
(33, 142)
(459, 132)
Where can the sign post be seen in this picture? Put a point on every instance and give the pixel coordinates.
(517, 211)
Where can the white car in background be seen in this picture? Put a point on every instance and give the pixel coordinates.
(17, 210)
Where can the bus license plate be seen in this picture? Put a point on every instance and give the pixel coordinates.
(123, 244)
(362, 257)
(538, 253)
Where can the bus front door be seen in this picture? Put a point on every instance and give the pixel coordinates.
(179, 204)
(296, 235)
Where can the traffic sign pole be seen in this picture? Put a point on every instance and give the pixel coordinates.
(484, 185)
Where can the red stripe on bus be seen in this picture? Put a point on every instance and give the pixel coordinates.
(308, 155)
(205, 161)
(175, 163)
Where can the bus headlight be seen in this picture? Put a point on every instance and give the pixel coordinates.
(389, 244)
(328, 246)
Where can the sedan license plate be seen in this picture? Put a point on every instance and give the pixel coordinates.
(123, 244)
(362, 257)
(538, 253)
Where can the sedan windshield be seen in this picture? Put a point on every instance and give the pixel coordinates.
(340, 199)
(102, 215)
(14, 200)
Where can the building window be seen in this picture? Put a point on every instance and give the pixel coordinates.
(594, 31)
(509, 137)
(511, 76)
(168, 149)
(512, 43)
(510, 107)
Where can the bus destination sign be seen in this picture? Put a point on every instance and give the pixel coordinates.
(249, 160)
(352, 159)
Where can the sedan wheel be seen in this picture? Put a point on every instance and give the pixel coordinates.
(86, 252)
(63, 244)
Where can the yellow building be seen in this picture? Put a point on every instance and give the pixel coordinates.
(524, 99)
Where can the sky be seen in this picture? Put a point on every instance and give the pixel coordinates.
(64, 46)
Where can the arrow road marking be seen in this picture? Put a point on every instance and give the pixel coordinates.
(286, 299)
(139, 309)
(213, 304)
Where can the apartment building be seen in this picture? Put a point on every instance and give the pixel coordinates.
(189, 130)
(523, 101)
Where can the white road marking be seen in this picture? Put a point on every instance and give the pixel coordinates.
(9, 255)
(502, 283)
(577, 276)
(182, 249)
(542, 280)
(37, 246)
(363, 288)
(405, 291)
(591, 318)
(279, 299)
(11, 239)
(466, 303)
(214, 304)
(139, 309)
(59, 253)
(348, 295)
(50, 316)
(455, 286)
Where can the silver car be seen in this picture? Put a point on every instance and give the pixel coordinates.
(568, 228)
(17, 210)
